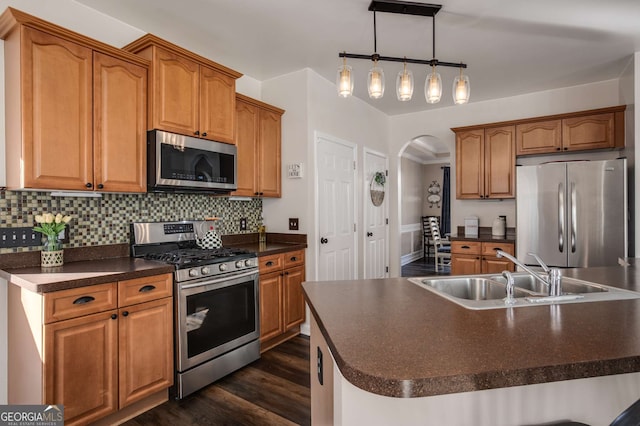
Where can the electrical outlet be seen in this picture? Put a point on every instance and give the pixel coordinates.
(19, 237)
(243, 224)
(293, 224)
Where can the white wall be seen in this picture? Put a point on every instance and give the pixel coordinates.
(438, 123)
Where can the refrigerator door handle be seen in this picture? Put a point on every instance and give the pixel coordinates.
(574, 216)
(561, 217)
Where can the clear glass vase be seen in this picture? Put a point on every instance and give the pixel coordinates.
(52, 243)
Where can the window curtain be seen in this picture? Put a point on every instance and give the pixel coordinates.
(446, 201)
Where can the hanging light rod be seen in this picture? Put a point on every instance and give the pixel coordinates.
(404, 81)
(376, 57)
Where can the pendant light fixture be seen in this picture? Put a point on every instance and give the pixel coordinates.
(344, 80)
(404, 84)
(404, 80)
(461, 89)
(433, 87)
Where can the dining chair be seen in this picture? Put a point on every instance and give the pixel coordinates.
(426, 235)
(442, 246)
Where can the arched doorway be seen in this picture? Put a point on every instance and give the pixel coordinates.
(421, 166)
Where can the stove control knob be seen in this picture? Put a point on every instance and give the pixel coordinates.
(205, 270)
(239, 264)
(223, 267)
(193, 272)
(248, 262)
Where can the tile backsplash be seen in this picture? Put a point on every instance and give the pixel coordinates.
(100, 221)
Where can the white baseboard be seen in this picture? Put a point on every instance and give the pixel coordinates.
(411, 257)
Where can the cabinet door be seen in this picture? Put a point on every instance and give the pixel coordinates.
(80, 366)
(270, 305)
(175, 93)
(120, 123)
(540, 137)
(145, 349)
(589, 132)
(494, 265)
(294, 312)
(463, 264)
(269, 154)
(500, 162)
(247, 143)
(470, 164)
(57, 121)
(217, 105)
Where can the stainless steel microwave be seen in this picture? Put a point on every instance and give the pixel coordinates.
(180, 163)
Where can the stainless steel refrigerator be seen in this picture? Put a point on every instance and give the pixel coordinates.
(572, 214)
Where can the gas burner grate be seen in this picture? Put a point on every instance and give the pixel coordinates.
(187, 256)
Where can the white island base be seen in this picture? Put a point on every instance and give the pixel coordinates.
(595, 401)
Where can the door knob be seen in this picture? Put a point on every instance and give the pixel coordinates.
(323, 240)
(369, 234)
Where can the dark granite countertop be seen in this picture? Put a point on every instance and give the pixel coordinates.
(83, 273)
(393, 338)
(276, 243)
(484, 235)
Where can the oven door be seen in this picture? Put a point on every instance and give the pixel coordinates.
(215, 316)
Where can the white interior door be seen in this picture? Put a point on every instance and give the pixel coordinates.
(376, 226)
(335, 208)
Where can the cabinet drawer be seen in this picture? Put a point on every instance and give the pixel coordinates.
(489, 249)
(274, 262)
(144, 289)
(293, 258)
(75, 302)
(466, 247)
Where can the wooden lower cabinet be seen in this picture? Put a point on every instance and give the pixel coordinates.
(282, 307)
(108, 355)
(476, 257)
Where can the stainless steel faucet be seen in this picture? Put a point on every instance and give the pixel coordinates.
(509, 300)
(554, 282)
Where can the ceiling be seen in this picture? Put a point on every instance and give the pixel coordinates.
(511, 46)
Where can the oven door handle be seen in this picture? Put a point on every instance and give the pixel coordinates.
(219, 280)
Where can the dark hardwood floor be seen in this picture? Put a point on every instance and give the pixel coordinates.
(423, 267)
(271, 391)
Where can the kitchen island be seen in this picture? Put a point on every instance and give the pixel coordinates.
(402, 354)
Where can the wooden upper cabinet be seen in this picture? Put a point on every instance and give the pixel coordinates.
(269, 154)
(247, 143)
(175, 93)
(217, 105)
(75, 109)
(258, 138)
(590, 132)
(120, 91)
(485, 163)
(190, 95)
(539, 137)
(57, 103)
(579, 131)
(500, 162)
(470, 164)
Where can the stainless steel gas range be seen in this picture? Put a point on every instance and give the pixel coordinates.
(216, 301)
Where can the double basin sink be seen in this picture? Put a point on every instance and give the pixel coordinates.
(489, 291)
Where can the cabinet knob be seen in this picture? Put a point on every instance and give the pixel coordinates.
(89, 185)
(293, 258)
(566, 148)
(114, 316)
(269, 263)
(197, 132)
(558, 149)
(262, 193)
(286, 273)
(256, 193)
(204, 134)
(125, 314)
(100, 186)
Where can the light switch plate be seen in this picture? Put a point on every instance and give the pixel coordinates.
(293, 224)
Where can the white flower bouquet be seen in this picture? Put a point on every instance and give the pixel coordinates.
(51, 225)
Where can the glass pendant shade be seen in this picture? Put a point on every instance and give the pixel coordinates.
(344, 80)
(433, 87)
(376, 81)
(404, 84)
(461, 89)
